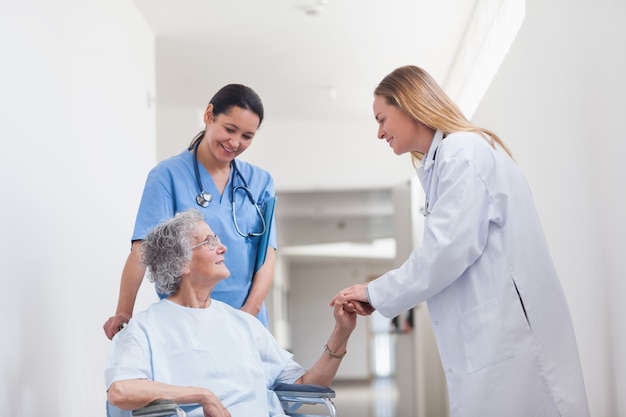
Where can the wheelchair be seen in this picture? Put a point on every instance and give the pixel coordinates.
(291, 396)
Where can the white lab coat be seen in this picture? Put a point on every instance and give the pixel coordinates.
(498, 311)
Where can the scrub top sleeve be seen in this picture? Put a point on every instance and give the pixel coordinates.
(455, 235)
(267, 194)
(273, 241)
(157, 204)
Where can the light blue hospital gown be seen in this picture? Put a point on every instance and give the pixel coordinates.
(220, 348)
(171, 187)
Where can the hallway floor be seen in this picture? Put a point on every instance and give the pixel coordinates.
(363, 399)
(377, 398)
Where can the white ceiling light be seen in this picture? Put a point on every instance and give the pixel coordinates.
(316, 8)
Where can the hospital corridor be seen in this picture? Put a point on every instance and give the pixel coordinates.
(94, 94)
(391, 389)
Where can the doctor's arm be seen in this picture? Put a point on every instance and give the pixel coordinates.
(261, 284)
(455, 235)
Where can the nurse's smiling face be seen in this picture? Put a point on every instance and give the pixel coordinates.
(230, 133)
(402, 133)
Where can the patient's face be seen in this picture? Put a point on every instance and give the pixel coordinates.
(207, 262)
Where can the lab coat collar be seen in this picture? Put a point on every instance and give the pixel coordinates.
(429, 159)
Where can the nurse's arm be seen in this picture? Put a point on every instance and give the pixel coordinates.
(132, 276)
(261, 284)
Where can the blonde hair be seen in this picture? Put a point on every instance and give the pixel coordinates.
(416, 93)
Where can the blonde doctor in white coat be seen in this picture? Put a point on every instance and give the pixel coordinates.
(498, 311)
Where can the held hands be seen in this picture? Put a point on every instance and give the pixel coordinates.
(353, 300)
(344, 319)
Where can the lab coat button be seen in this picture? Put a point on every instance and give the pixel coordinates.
(436, 322)
(449, 370)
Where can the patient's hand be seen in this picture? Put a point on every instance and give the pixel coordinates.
(213, 407)
(344, 318)
(354, 299)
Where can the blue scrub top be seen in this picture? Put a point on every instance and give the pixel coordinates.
(171, 187)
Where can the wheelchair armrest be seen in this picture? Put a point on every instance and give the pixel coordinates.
(166, 408)
(158, 408)
(304, 391)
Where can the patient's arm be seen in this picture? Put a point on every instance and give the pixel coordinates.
(132, 394)
(324, 370)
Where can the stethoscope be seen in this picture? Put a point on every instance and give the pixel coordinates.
(426, 209)
(204, 198)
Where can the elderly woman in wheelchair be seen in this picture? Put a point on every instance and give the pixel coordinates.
(208, 357)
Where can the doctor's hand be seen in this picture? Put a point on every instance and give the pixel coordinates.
(354, 299)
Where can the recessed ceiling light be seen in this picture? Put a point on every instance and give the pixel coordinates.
(316, 8)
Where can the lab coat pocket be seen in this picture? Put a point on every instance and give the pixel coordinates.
(484, 336)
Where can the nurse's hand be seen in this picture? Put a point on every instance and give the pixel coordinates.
(252, 310)
(114, 324)
(354, 299)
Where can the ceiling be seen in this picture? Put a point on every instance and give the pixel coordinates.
(308, 60)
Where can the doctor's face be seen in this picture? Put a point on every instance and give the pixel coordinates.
(402, 133)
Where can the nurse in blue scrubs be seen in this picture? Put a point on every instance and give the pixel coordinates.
(231, 194)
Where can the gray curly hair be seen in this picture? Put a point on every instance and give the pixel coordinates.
(166, 250)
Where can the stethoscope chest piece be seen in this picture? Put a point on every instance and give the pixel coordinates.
(203, 199)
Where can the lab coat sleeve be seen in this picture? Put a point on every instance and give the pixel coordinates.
(455, 235)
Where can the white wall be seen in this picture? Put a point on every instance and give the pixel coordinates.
(301, 154)
(342, 154)
(558, 101)
(76, 139)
